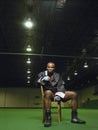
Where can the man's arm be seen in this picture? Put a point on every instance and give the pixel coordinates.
(55, 80)
(42, 78)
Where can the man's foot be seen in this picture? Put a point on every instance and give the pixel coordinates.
(47, 123)
(76, 120)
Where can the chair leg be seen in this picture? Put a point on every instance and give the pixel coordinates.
(43, 108)
(43, 115)
(59, 112)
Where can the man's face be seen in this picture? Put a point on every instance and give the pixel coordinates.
(50, 67)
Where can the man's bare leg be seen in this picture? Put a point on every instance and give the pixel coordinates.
(48, 96)
(74, 104)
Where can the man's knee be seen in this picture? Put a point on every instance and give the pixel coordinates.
(70, 94)
(48, 94)
(75, 94)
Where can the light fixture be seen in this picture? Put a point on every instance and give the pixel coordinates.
(85, 65)
(61, 3)
(85, 55)
(28, 71)
(28, 61)
(75, 72)
(68, 78)
(28, 77)
(28, 23)
(28, 49)
(28, 81)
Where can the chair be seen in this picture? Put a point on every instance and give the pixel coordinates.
(58, 112)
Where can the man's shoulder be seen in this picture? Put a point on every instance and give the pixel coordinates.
(56, 73)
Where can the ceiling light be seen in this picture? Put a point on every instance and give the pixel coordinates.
(28, 71)
(85, 65)
(61, 3)
(28, 61)
(68, 78)
(75, 73)
(28, 49)
(28, 81)
(28, 23)
(28, 77)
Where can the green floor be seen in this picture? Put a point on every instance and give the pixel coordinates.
(30, 119)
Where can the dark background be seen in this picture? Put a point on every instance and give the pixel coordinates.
(65, 32)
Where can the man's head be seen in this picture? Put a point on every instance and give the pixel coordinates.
(50, 67)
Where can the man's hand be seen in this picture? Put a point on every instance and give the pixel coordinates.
(46, 78)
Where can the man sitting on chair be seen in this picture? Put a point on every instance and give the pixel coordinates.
(55, 89)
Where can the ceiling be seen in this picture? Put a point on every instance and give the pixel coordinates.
(65, 32)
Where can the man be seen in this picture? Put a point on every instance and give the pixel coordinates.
(54, 89)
